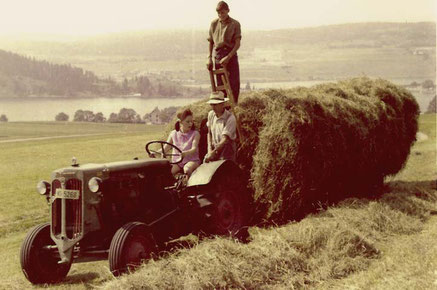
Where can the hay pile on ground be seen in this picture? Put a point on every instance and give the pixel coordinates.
(325, 247)
(306, 146)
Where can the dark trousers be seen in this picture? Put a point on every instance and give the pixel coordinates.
(233, 69)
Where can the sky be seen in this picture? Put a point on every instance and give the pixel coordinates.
(87, 17)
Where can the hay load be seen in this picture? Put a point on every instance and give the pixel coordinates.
(304, 146)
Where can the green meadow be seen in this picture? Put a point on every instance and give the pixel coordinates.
(24, 163)
(386, 243)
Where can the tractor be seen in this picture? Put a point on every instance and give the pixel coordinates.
(128, 212)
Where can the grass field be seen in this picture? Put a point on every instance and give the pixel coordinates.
(21, 130)
(24, 163)
(397, 229)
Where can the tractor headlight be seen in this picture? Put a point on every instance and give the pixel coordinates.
(95, 184)
(43, 187)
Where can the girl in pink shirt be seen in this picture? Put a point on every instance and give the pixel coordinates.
(186, 138)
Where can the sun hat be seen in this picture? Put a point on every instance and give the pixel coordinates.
(217, 98)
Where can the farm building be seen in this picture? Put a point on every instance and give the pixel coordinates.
(154, 117)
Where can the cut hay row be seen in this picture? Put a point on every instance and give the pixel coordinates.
(308, 146)
(331, 245)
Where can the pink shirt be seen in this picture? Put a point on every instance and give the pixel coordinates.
(184, 141)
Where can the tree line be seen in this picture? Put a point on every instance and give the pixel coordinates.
(32, 77)
(125, 115)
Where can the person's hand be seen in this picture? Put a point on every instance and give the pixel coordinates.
(209, 63)
(211, 156)
(156, 155)
(224, 61)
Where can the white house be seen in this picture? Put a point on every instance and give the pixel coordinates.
(153, 117)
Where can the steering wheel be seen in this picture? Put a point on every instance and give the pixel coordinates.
(165, 155)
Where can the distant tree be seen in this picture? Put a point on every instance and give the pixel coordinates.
(62, 117)
(247, 86)
(79, 116)
(83, 116)
(113, 118)
(127, 116)
(138, 119)
(428, 84)
(414, 84)
(167, 114)
(125, 86)
(89, 116)
(3, 118)
(143, 85)
(99, 118)
(432, 107)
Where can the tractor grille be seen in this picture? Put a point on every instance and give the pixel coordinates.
(73, 210)
(56, 209)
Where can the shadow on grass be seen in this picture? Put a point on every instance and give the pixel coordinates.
(416, 198)
(81, 278)
(409, 197)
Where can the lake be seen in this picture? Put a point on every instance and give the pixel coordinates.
(45, 109)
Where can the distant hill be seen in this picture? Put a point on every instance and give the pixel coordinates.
(395, 51)
(173, 44)
(22, 76)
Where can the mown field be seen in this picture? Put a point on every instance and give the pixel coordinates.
(386, 243)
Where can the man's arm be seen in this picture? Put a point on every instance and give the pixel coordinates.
(209, 59)
(225, 60)
(221, 145)
(215, 153)
(210, 48)
(209, 137)
(228, 134)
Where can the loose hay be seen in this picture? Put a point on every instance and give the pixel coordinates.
(306, 146)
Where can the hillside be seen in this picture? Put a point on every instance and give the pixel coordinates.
(172, 44)
(402, 52)
(22, 76)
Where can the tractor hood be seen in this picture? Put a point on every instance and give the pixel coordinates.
(114, 166)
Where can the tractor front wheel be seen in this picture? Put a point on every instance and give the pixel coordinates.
(131, 245)
(39, 258)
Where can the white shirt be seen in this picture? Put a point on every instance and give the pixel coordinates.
(226, 124)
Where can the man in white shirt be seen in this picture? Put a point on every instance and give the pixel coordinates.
(221, 130)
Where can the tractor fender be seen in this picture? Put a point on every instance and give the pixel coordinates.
(206, 171)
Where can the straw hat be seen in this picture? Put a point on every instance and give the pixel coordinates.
(217, 98)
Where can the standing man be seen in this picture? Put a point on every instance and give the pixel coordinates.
(224, 39)
(221, 130)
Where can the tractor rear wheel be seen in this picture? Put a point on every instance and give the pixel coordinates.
(38, 262)
(131, 245)
(229, 212)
